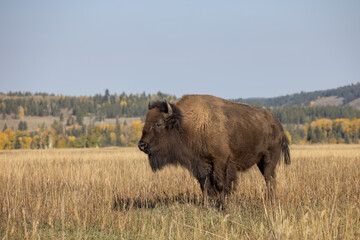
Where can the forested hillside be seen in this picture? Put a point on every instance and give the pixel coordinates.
(117, 119)
(302, 115)
(296, 109)
(17, 104)
(346, 93)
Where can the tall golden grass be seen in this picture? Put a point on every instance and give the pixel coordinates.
(113, 194)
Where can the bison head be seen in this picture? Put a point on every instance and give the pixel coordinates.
(160, 134)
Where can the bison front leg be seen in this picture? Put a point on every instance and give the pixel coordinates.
(222, 200)
(204, 184)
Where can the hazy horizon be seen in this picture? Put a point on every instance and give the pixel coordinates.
(147, 93)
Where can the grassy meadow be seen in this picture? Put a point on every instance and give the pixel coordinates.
(111, 193)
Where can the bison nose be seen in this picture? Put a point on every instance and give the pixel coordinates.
(142, 145)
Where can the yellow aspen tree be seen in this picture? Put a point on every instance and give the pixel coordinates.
(36, 141)
(287, 134)
(4, 140)
(71, 138)
(327, 127)
(26, 142)
(113, 138)
(122, 138)
(135, 132)
(21, 111)
(11, 138)
(354, 128)
(61, 143)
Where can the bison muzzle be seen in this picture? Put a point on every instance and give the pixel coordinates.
(214, 139)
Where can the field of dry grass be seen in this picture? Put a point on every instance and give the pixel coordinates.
(113, 194)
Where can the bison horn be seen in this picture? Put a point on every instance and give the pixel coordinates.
(170, 111)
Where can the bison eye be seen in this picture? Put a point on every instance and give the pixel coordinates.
(159, 124)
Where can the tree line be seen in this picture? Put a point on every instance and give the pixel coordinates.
(75, 136)
(303, 124)
(80, 136)
(325, 131)
(302, 115)
(17, 104)
(109, 105)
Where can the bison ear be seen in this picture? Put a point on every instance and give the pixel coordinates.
(172, 123)
(169, 109)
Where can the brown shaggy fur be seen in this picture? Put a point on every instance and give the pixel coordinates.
(214, 139)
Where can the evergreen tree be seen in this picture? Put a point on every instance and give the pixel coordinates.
(118, 133)
(22, 126)
(309, 135)
(58, 127)
(80, 118)
(107, 95)
(46, 142)
(5, 127)
(70, 121)
(17, 143)
(318, 135)
(347, 138)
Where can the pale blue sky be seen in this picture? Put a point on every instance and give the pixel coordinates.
(230, 49)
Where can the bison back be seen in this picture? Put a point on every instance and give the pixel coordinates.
(236, 131)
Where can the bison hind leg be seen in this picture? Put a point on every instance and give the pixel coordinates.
(230, 177)
(267, 167)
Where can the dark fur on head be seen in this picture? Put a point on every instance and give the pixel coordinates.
(160, 105)
(172, 121)
(161, 133)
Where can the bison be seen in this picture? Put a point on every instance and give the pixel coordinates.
(214, 139)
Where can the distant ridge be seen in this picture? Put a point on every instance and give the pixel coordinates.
(343, 96)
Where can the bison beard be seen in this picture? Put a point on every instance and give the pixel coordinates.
(156, 163)
(165, 151)
(214, 138)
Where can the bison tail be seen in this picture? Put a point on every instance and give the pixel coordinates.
(286, 150)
